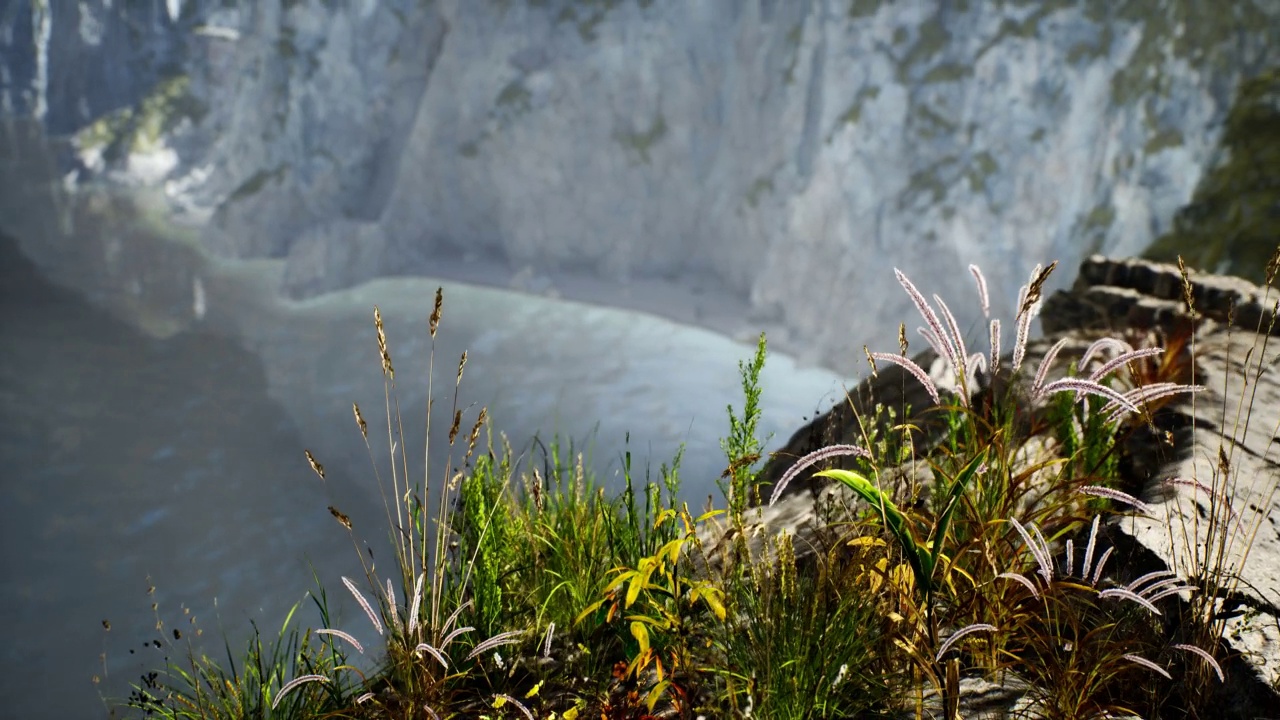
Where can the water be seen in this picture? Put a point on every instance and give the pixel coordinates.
(153, 439)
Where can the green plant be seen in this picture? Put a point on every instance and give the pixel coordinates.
(199, 686)
(742, 447)
(661, 601)
(421, 670)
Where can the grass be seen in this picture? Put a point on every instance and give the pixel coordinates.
(523, 588)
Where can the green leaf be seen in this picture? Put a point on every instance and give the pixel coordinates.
(943, 523)
(896, 522)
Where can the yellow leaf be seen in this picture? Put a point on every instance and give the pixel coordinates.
(656, 693)
(708, 515)
(534, 691)
(498, 701)
(713, 597)
(641, 634)
(633, 590)
(571, 714)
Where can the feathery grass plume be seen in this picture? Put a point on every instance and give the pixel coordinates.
(995, 346)
(500, 698)
(1102, 563)
(341, 517)
(1022, 326)
(546, 640)
(1040, 554)
(977, 363)
(1148, 393)
(1088, 548)
(364, 427)
(505, 638)
(391, 606)
(1118, 496)
(1022, 579)
(1138, 659)
(1122, 359)
(929, 315)
(294, 683)
(1071, 558)
(1034, 289)
(976, 627)
(317, 467)
(955, 338)
(1158, 587)
(983, 297)
(1124, 594)
(387, 368)
(1215, 499)
(1078, 386)
(812, 459)
(1133, 586)
(1186, 289)
(427, 648)
(936, 343)
(368, 610)
(345, 636)
(415, 604)
(433, 322)
(430, 712)
(1172, 591)
(1203, 655)
(1101, 344)
(454, 634)
(366, 697)
(1045, 363)
(916, 371)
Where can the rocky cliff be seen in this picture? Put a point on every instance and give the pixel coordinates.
(794, 151)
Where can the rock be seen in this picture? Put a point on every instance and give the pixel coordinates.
(1224, 437)
(792, 151)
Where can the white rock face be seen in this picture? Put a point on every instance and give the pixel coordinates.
(797, 151)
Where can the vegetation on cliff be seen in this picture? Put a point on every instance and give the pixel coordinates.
(522, 588)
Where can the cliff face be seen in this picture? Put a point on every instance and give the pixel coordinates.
(797, 151)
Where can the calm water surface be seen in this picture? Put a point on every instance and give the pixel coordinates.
(154, 419)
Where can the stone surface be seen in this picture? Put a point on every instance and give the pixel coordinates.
(1225, 437)
(796, 151)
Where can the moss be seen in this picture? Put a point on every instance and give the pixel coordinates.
(762, 185)
(1204, 34)
(515, 98)
(1166, 138)
(1100, 218)
(947, 72)
(1233, 220)
(982, 168)
(932, 123)
(139, 129)
(853, 113)
(864, 8)
(927, 182)
(641, 142)
(257, 182)
(794, 36)
(931, 38)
